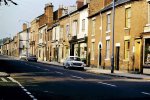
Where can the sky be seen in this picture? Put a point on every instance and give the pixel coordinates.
(12, 17)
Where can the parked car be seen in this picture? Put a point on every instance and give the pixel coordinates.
(32, 58)
(73, 62)
(23, 57)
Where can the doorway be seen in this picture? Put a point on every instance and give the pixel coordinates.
(137, 65)
(100, 55)
(117, 58)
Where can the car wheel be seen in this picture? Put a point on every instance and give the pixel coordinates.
(66, 66)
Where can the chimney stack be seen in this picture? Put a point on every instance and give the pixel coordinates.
(24, 26)
(79, 3)
(49, 12)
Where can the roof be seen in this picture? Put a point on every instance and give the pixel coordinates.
(81, 8)
(117, 3)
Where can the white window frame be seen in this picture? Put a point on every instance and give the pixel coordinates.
(92, 50)
(107, 49)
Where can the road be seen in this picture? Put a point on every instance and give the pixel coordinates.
(37, 81)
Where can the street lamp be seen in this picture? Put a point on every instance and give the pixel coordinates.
(113, 28)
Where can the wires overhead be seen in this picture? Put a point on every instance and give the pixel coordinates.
(7, 1)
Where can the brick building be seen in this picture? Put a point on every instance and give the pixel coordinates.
(128, 27)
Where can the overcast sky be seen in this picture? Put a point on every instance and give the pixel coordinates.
(12, 17)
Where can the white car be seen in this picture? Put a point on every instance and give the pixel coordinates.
(23, 57)
(73, 62)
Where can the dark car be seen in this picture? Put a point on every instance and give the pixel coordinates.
(32, 58)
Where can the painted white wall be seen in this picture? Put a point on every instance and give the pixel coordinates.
(42, 30)
(23, 41)
(83, 15)
(56, 33)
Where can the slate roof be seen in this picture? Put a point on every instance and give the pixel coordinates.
(117, 3)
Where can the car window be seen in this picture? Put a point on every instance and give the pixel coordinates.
(75, 59)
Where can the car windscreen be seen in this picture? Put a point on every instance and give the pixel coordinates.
(75, 59)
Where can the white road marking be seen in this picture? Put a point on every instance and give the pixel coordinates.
(31, 96)
(23, 88)
(3, 79)
(28, 93)
(76, 77)
(59, 72)
(107, 84)
(46, 69)
(38, 67)
(145, 93)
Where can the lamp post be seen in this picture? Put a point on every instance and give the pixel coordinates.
(113, 28)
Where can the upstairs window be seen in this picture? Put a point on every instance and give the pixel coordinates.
(83, 25)
(148, 12)
(75, 28)
(128, 17)
(108, 22)
(67, 30)
(93, 27)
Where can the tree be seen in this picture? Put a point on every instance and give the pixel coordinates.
(6, 2)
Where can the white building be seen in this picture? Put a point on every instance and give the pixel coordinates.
(42, 43)
(24, 40)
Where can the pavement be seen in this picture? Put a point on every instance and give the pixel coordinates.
(96, 71)
(107, 72)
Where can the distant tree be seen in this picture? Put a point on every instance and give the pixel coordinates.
(6, 2)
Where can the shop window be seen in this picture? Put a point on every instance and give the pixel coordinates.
(147, 51)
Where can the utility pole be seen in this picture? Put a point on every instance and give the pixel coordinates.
(113, 28)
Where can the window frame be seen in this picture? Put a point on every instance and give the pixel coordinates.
(107, 49)
(128, 17)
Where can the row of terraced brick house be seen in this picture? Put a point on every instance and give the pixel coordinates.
(85, 30)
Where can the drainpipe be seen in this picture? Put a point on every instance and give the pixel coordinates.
(113, 28)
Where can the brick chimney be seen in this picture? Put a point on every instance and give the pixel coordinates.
(79, 3)
(24, 26)
(49, 12)
(60, 11)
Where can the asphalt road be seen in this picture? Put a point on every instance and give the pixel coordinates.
(37, 81)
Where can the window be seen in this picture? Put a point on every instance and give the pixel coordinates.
(107, 49)
(48, 36)
(83, 25)
(39, 53)
(128, 17)
(61, 32)
(93, 27)
(75, 27)
(148, 13)
(92, 51)
(127, 48)
(108, 22)
(40, 35)
(67, 30)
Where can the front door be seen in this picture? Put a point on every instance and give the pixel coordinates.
(100, 55)
(137, 64)
(117, 58)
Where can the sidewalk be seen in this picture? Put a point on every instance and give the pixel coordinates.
(3, 74)
(107, 72)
